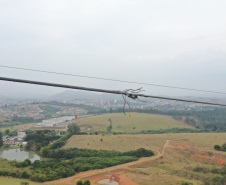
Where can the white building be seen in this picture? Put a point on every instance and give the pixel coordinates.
(21, 135)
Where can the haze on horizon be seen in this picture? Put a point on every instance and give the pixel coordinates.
(177, 43)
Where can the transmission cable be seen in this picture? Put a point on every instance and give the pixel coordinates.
(114, 80)
(126, 93)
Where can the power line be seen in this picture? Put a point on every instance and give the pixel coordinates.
(114, 80)
(126, 93)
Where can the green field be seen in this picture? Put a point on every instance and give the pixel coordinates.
(15, 181)
(3, 123)
(7, 125)
(15, 127)
(126, 124)
(2, 118)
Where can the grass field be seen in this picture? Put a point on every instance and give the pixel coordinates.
(15, 181)
(16, 127)
(137, 122)
(11, 128)
(128, 142)
(2, 118)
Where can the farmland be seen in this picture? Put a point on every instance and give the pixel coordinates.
(130, 124)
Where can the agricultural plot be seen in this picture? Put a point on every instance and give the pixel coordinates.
(126, 124)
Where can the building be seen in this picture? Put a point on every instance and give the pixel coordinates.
(21, 135)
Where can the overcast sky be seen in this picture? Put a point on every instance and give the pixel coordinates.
(169, 42)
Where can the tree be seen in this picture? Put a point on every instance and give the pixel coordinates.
(223, 148)
(13, 133)
(73, 128)
(44, 151)
(109, 128)
(1, 139)
(25, 175)
(217, 147)
(186, 183)
(110, 110)
(7, 131)
(24, 183)
(86, 182)
(28, 161)
(6, 146)
(79, 182)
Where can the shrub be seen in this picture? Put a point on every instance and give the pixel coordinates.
(6, 146)
(201, 169)
(79, 182)
(86, 182)
(217, 147)
(186, 183)
(24, 183)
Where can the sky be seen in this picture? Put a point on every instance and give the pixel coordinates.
(176, 43)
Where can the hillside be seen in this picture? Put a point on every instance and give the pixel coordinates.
(126, 124)
(178, 157)
(154, 141)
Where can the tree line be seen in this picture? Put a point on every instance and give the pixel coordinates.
(77, 152)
